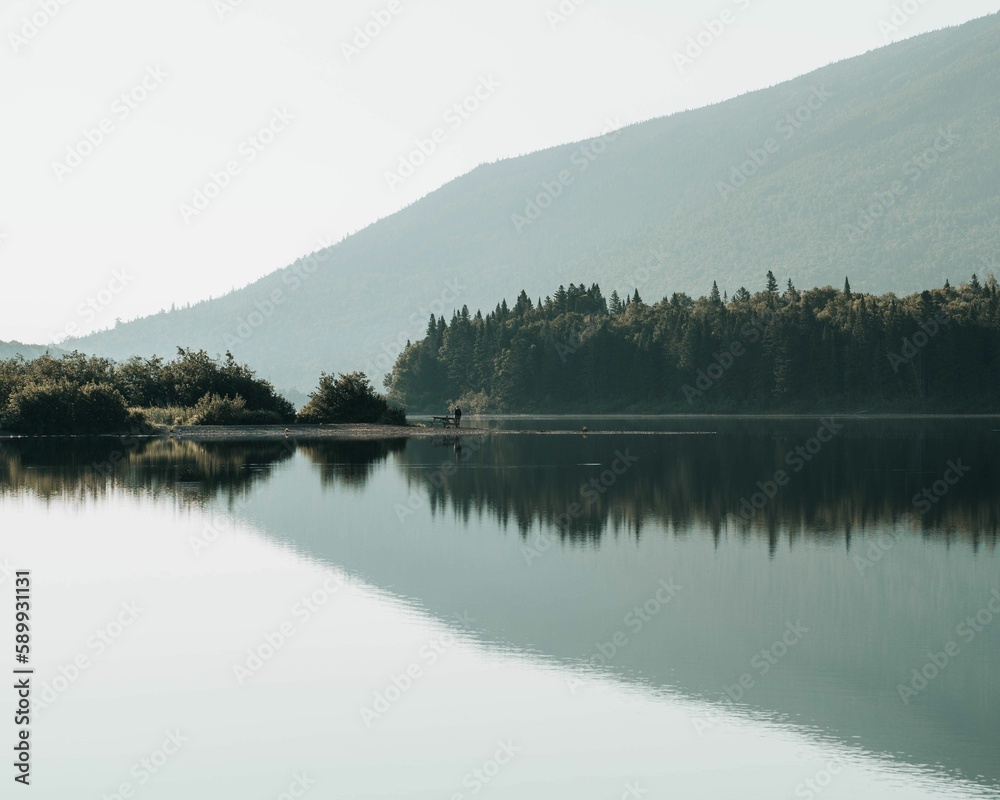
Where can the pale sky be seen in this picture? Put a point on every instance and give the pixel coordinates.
(103, 224)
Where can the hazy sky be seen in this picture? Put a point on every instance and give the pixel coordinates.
(158, 154)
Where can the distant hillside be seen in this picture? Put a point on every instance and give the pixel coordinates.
(883, 167)
(29, 351)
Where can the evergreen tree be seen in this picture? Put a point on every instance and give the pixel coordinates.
(814, 350)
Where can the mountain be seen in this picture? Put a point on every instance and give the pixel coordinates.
(882, 167)
(28, 351)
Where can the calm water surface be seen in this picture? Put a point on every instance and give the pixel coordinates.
(743, 608)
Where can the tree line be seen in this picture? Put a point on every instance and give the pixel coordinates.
(774, 350)
(79, 394)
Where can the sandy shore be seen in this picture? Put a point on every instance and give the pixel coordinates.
(243, 433)
(212, 433)
(206, 433)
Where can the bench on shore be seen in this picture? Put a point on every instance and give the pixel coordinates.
(445, 421)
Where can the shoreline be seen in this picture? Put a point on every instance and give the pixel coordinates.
(369, 432)
(343, 433)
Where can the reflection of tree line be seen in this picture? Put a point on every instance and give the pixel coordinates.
(350, 463)
(89, 468)
(856, 482)
(194, 471)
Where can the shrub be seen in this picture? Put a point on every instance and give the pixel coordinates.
(100, 408)
(349, 398)
(172, 415)
(58, 407)
(215, 410)
(394, 416)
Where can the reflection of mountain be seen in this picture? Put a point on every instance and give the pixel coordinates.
(868, 628)
(868, 475)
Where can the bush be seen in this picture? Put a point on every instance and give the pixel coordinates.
(58, 407)
(100, 408)
(349, 398)
(194, 374)
(215, 410)
(172, 415)
(394, 416)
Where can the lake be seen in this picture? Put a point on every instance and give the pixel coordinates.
(661, 607)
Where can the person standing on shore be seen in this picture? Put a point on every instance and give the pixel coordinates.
(458, 417)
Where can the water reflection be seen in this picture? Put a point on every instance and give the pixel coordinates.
(581, 488)
(869, 474)
(462, 529)
(86, 468)
(350, 463)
